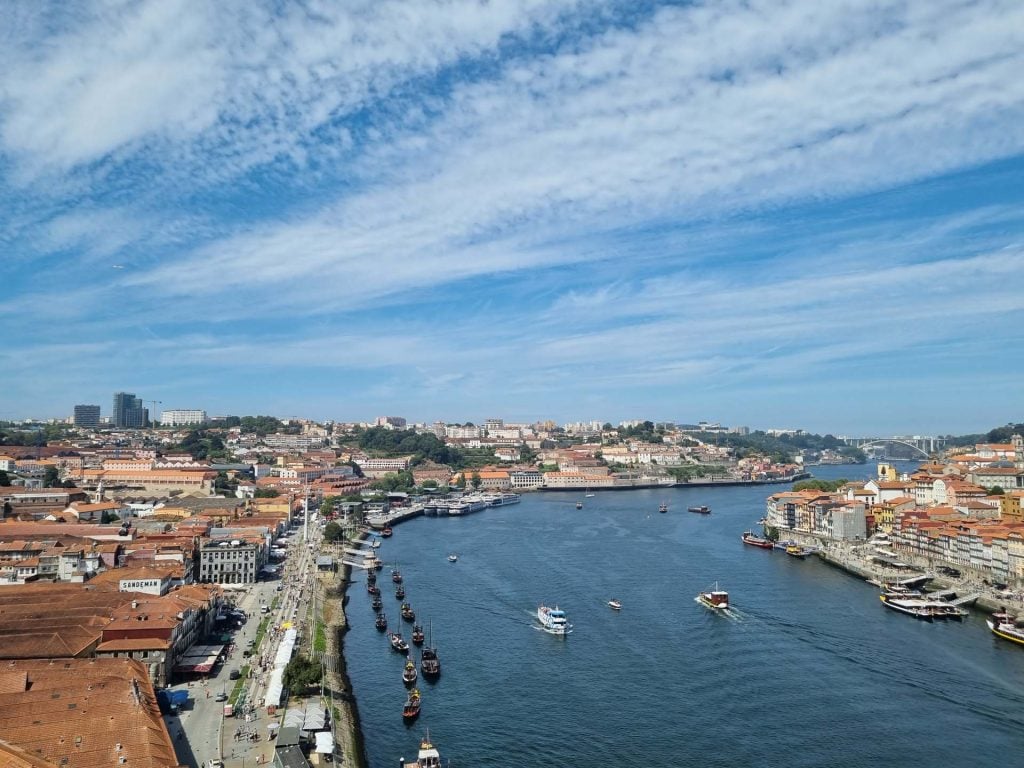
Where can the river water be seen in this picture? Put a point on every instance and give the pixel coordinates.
(810, 671)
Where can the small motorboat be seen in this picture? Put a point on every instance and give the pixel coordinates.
(417, 634)
(579, 505)
(411, 710)
(409, 674)
(387, 531)
(795, 550)
(663, 508)
(398, 642)
(716, 599)
(615, 605)
(382, 622)
(452, 558)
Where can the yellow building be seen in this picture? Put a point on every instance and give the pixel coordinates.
(1009, 507)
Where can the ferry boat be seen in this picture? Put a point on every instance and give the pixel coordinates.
(1003, 626)
(407, 612)
(702, 510)
(411, 710)
(381, 622)
(428, 756)
(751, 538)
(553, 620)
(795, 550)
(919, 609)
(417, 634)
(663, 508)
(615, 605)
(409, 674)
(716, 599)
(398, 642)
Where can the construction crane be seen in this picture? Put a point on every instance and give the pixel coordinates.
(154, 403)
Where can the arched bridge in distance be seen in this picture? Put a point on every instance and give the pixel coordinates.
(921, 447)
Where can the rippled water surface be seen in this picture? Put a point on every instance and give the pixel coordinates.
(810, 671)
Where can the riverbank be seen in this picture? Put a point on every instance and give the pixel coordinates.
(856, 560)
(347, 728)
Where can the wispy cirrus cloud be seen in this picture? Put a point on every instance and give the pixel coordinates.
(702, 188)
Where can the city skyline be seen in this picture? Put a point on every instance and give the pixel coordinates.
(768, 215)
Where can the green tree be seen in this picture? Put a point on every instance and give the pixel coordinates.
(333, 532)
(5, 479)
(475, 481)
(51, 477)
(68, 484)
(108, 517)
(996, 490)
(267, 493)
(430, 483)
(301, 673)
(826, 486)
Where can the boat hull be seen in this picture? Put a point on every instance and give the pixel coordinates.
(1013, 636)
(757, 541)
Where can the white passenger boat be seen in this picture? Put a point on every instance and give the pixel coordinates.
(553, 620)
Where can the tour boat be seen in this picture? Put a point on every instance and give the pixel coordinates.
(411, 710)
(387, 531)
(716, 599)
(663, 508)
(1003, 626)
(579, 505)
(417, 634)
(428, 756)
(381, 622)
(919, 609)
(553, 620)
(400, 592)
(409, 674)
(452, 558)
(396, 576)
(376, 604)
(615, 605)
(398, 642)
(795, 550)
(702, 510)
(430, 664)
(751, 538)
(407, 612)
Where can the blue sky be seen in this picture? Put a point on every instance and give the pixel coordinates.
(776, 214)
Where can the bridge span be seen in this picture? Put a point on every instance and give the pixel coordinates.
(922, 446)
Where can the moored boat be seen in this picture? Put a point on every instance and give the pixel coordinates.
(417, 634)
(376, 604)
(430, 663)
(373, 589)
(396, 576)
(407, 612)
(398, 642)
(795, 550)
(701, 510)
(381, 622)
(1001, 625)
(615, 605)
(716, 599)
(751, 538)
(400, 592)
(386, 531)
(553, 620)
(411, 710)
(409, 674)
(919, 609)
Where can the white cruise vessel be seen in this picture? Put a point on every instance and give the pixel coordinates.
(553, 620)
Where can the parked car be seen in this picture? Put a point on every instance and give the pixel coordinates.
(234, 674)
